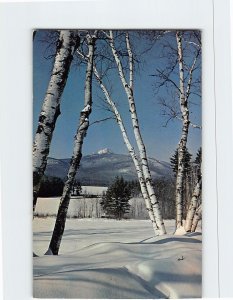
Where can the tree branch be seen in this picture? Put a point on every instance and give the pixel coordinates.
(118, 61)
(195, 126)
(191, 75)
(102, 120)
(166, 78)
(130, 54)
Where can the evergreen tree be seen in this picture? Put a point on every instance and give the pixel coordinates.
(135, 189)
(115, 201)
(197, 162)
(186, 187)
(51, 187)
(198, 157)
(165, 193)
(174, 162)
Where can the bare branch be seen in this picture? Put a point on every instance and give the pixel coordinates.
(191, 75)
(102, 120)
(191, 124)
(168, 120)
(166, 78)
(193, 43)
(169, 110)
(107, 35)
(195, 126)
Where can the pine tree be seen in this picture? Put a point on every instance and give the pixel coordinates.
(197, 163)
(135, 188)
(186, 183)
(198, 157)
(115, 201)
(174, 162)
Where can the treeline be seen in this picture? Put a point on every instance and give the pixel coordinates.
(53, 187)
(89, 206)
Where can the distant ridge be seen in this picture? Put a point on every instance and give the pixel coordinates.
(102, 167)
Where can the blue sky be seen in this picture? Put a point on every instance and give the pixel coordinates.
(160, 141)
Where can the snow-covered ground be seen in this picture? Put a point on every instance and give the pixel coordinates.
(49, 206)
(102, 258)
(94, 190)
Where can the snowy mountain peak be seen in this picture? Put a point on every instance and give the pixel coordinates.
(105, 151)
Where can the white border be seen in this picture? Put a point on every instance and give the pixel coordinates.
(16, 22)
(224, 142)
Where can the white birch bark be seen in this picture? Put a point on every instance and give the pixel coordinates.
(67, 44)
(193, 206)
(77, 153)
(131, 152)
(138, 137)
(197, 217)
(184, 136)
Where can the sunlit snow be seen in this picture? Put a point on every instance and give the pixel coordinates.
(102, 258)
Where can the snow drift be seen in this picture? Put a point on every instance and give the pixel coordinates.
(116, 259)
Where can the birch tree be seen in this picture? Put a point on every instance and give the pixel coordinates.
(130, 150)
(197, 217)
(119, 120)
(66, 46)
(193, 206)
(182, 55)
(188, 172)
(128, 87)
(184, 136)
(77, 151)
(184, 108)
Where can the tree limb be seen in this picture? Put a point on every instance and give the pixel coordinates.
(191, 75)
(102, 120)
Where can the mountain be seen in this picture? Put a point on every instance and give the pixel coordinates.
(101, 168)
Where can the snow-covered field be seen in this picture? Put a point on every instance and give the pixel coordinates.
(49, 206)
(94, 190)
(102, 258)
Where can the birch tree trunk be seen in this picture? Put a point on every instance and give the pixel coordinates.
(193, 206)
(131, 152)
(136, 128)
(184, 136)
(67, 45)
(197, 217)
(77, 153)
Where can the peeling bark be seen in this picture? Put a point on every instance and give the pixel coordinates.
(136, 128)
(67, 45)
(193, 206)
(184, 136)
(197, 217)
(77, 152)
